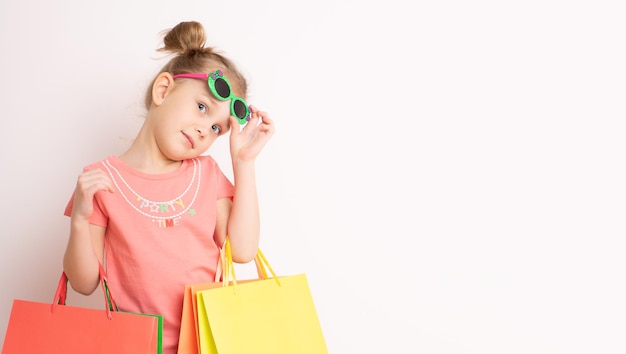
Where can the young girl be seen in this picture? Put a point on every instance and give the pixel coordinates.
(157, 214)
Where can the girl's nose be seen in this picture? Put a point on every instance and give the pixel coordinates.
(202, 132)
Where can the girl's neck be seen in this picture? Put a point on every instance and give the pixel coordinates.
(147, 161)
(144, 153)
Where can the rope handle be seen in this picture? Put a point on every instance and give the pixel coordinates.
(60, 296)
(226, 271)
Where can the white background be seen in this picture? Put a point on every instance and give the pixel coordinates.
(449, 174)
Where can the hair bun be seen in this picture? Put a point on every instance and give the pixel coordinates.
(187, 38)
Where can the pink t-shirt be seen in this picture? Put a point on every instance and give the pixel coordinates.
(159, 235)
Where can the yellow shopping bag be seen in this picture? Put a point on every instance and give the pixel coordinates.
(269, 315)
(189, 341)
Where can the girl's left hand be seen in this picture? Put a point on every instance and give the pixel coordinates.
(246, 143)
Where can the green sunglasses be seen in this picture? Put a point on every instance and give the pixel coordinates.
(221, 89)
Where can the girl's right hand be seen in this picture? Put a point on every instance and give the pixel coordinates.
(246, 143)
(89, 183)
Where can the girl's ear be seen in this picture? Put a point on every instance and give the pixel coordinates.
(161, 87)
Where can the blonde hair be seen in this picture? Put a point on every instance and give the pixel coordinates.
(187, 42)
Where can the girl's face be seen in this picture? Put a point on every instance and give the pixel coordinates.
(189, 119)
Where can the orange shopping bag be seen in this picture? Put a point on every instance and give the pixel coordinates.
(189, 342)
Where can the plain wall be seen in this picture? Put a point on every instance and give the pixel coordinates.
(448, 174)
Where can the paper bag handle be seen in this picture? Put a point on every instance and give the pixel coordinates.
(219, 271)
(61, 294)
(226, 270)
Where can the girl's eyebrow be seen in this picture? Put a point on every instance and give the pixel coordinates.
(207, 98)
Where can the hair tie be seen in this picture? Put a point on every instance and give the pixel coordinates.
(191, 52)
(197, 51)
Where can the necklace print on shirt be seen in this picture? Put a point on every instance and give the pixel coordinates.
(154, 209)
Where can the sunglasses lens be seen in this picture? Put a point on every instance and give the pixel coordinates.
(240, 109)
(222, 88)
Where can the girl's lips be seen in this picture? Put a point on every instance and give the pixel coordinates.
(189, 139)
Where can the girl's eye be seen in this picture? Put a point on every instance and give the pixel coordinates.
(216, 129)
(202, 107)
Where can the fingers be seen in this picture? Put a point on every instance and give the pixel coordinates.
(89, 183)
(267, 124)
(255, 113)
(235, 127)
(260, 120)
(92, 181)
(246, 143)
(253, 110)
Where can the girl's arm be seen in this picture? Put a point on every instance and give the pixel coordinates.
(85, 247)
(243, 221)
(84, 253)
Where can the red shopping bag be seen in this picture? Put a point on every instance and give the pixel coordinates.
(56, 328)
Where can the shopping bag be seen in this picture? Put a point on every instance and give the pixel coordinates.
(189, 342)
(269, 315)
(56, 328)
